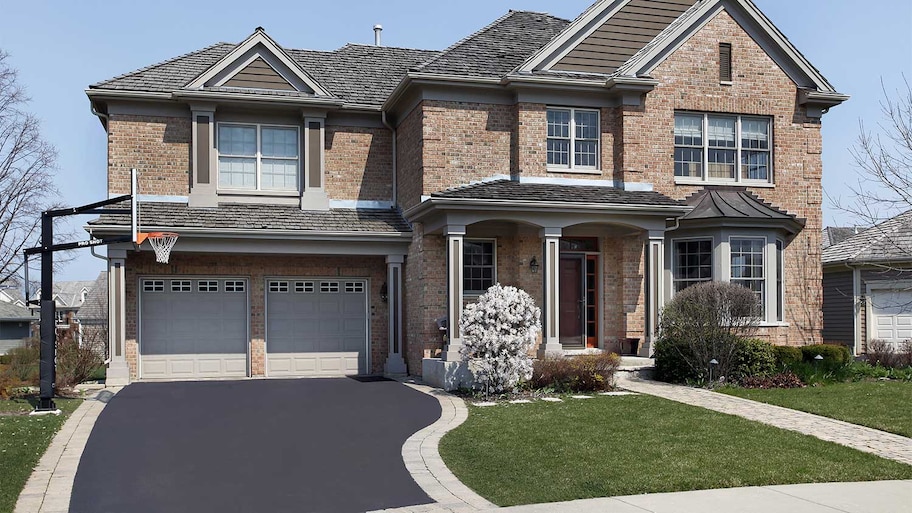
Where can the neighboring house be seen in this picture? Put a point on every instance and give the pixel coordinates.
(867, 286)
(15, 325)
(69, 297)
(93, 315)
(332, 205)
(11, 293)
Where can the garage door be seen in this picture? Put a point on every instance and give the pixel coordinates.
(193, 328)
(316, 327)
(892, 312)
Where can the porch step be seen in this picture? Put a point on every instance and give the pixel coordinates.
(637, 367)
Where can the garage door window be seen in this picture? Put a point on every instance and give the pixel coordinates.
(278, 286)
(207, 286)
(304, 287)
(329, 286)
(153, 285)
(234, 286)
(181, 286)
(354, 287)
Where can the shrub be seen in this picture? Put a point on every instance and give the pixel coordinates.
(23, 362)
(780, 380)
(886, 355)
(787, 356)
(499, 330)
(671, 362)
(753, 357)
(583, 373)
(75, 362)
(5, 359)
(831, 353)
(705, 322)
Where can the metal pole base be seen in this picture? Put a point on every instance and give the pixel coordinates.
(46, 404)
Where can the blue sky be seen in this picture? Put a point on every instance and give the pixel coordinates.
(61, 47)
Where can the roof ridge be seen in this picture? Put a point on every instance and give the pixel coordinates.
(882, 233)
(162, 63)
(385, 46)
(465, 39)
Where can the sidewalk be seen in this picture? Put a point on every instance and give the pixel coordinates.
(881, 443)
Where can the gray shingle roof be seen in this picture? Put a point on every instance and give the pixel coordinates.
(359, 74)
(517, 191)
(736, 204)
(230, 216)
(836, 234)
(889, 241)
(497, 49)
(11, 312)
(68, 294)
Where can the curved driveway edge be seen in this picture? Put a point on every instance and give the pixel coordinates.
(422, 459)
(49, 487)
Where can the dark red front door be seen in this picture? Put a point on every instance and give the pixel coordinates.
(571, 301)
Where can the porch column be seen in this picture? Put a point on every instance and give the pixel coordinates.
(454, 235)
(551, 291)
(395, 364)
(655, 288)
(118, 372)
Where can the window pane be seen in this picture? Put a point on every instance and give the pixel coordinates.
(688, 162)
(692, 263)
(688, 130)
(279, 174)
(721, 132)
(755, 134)
(754, 165)
(478, 270)
(722, 164)
(559, 123)
(586, 154)
(747, 266)
(280, 142)
(559, 152)
(780, 297)
(586, 124)
(237, 173)
(237, 140)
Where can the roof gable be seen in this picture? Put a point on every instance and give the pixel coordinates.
(280, 70)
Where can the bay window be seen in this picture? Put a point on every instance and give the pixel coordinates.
(747, 267)
(692, 262)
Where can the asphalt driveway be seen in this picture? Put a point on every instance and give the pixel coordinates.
(308, 445)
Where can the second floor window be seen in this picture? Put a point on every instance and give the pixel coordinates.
(573, 138)
(719, 148)
(258, 157)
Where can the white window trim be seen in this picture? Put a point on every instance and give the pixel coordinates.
(769, 276)
(572, 168)
(257, 189)
(705, 179)
(476, 293)
(674, 254)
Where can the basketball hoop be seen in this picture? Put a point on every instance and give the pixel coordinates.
(161, 242)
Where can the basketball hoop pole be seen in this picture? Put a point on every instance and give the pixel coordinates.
(46, 366)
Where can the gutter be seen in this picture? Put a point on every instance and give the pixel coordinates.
(263, 234)
(554, 206)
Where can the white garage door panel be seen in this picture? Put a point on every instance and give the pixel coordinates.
(317, 330)
(193, 333)
(892, 312)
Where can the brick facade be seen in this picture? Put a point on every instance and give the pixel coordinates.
(157, 147)
(359, 163)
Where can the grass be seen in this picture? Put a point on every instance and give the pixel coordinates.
(23, 439)
(609, 446)
(883, 405)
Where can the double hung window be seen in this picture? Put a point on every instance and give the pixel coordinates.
(258, 157)
(721, 148)
(573, 139)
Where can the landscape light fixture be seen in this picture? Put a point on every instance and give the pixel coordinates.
(712, 363)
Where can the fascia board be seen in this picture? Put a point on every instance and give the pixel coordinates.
(422, 209)
(101, 94)
(260, 234)
(256, 98)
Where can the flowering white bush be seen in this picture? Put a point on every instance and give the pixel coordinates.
(498, 332)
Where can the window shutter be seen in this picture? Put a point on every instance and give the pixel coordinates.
(725, 62)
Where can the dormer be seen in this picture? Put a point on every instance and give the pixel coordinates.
(258, 128)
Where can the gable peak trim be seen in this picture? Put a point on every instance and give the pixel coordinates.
(259, 37)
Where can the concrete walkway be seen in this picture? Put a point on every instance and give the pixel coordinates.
(49, 487)
(886, 445)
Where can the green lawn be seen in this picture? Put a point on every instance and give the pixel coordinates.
(608, 446)
(23, 439)
(885, 405)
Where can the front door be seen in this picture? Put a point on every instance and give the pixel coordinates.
(572, 301)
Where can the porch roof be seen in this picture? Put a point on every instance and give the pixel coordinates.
(546, 192)
(737, 205)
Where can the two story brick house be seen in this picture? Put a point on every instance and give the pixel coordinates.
(334, 206)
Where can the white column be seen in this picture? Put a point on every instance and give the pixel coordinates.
(551, 291)
(395, 364)
(118, 372)
(655, 288)
(454, 235)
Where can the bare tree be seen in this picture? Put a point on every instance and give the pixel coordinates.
(883, 158)
(27, 165)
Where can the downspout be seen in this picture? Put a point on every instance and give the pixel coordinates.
(395, 196)
(107, 266)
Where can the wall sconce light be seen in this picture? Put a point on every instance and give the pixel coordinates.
(384, 293)
(533, 265)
